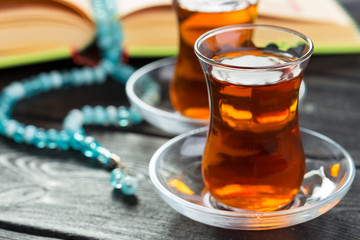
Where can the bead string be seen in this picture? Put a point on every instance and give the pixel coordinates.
(108, 35)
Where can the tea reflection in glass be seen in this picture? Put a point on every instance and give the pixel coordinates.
(188, 92)
(253, 158)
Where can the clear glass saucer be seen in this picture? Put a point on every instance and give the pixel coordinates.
(175, 170)
(162, 115)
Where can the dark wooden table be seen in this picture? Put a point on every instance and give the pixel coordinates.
(50, 194)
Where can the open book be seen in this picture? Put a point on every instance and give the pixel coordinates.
(41, 30)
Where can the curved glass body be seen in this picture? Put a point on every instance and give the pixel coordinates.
(253, 159)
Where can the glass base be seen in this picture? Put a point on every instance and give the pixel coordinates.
(210, 202)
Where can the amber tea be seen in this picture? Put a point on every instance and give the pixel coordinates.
(253, 158)
(188, 88)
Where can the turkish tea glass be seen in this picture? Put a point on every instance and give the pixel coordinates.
(253, 158)
(188, 92)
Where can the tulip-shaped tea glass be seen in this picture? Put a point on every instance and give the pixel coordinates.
(253, 158)
(188, 92)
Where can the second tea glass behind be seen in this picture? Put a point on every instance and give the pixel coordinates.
(188, 92)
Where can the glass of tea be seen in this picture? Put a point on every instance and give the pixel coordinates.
(188, 92)
(253, 157)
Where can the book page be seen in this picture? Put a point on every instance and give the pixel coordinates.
(125, 7)
(128, 6)
(322, 11)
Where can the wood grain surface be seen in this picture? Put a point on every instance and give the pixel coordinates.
(51, 194)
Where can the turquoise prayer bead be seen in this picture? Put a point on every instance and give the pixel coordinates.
(3, 125)
(104, 155)
(76, 141)
(100, 75)
(122, 73)
(111, 112)
(46, 83)
(63, 140)
(6, 107)
(88, 114)
(40, 138)
(32, 87)
(11, 128)
(15, 90)
(135, 116)
(108, 66)
(88, 76)
(89, 147)
(129, 185)
(105, 41)
(56, 78)
(100, 115)
(116, 178)
(19, 134)
(29, 134)
(52, 136)
(77, 78)
(67, 78)
(123, 117)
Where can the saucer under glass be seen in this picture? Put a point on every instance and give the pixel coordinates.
(162, 115)
(175, 170)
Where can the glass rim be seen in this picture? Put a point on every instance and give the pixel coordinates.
(215, 31)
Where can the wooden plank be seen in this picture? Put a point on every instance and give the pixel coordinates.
(63, 195)
(12, 235)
